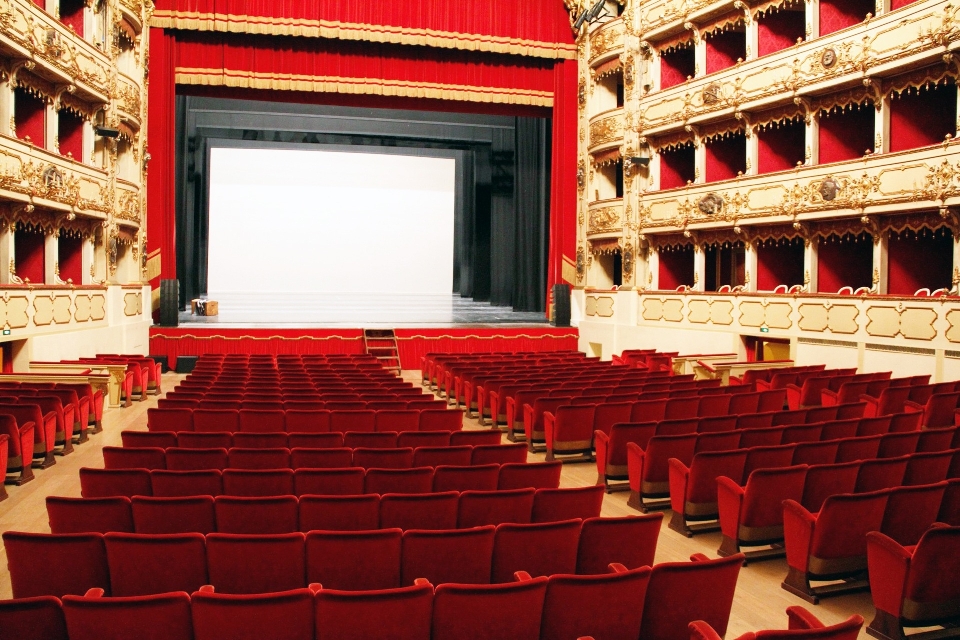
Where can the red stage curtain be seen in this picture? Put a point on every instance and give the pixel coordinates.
(563, 178)
(540, 28)
(161, 131)
(300, 64)
(676, 267)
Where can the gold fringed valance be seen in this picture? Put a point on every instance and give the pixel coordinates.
(606, 157)
(604, 245)
(365, 86)
(608, 67)
(387, 34)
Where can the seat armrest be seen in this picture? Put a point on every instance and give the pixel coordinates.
(94, 592)
(798, 526)
(799, 618)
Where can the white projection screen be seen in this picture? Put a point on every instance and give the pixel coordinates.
(319, 236)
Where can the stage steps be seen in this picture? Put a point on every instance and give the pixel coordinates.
(382, 345)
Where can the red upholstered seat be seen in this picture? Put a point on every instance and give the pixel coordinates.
(419, 511)
(196, 459)
(474, 437)
(447, 455)
(258, 482)
(572, 604)
(478, 508)
(345, 420)
(43, 564)
(260, 440)
(398, 421)
(241, 458)
(693, 490)
(489, 611)
(306, 417)
(891, 400)
(354, 561)
(261, 421)
(89, 515)
(881, 473)
(327, 458)
(205, 482)
(288, 614)
(204, 440)
(539, 475)
(910, 511)
(898, 444)
(675, 596)
(752, 515)
(161, 515)
(498, 453)
(415, 480)
(39, 618)
(927, 468)
(134, 458)
(216, 420)
(830, 544)
(455, 555)
(344, 481)
(374, 440)
(828, 480)
(569, 431)
(630, 541)
(383, 458)
(44, 432)
(440, 420)
(162, 439)
(551, 505)
(803, 625)
(104, 483)
(466, 478)
(276, 514)
(150, 564)
(541, 549)
(648, 469)
(256, 564)
(155, 617)
(339, 513)
(19, 447)
(416, 439)
(314, 440)
(914, 587)
(348, 615)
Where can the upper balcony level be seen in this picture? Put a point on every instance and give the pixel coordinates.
(606, 42)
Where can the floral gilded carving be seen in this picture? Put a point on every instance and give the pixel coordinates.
(606, 39)
(604, 220)
(606, 130)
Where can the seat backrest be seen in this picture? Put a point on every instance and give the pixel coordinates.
(342, 481)
(538, 475)
(39, 618)
(674, 599)
(179, 459)
(765, 491)
(629, 540)
(706, 468)
(573, 602)
(446, 455)
(499, 453)
(258, 482)
(104, 483)
(216, 420)
(828, 480)
(206, 482)
(325, 458)
(419, 511)
(257, 515)
(71, 563)
(347, 615)
(927, 468)
(455, 555)
(477, 508)
(152, 617)
(171, 515)
(339, 512)
(880, 473)
(151, 564)
(256, 564)
(843, 523)
(552, 505)
(89, 515)
(375, 440)
(934, 567)
(383, 458)
(911, 510)
(247, 458)
(415, 480)
(541, 549)
(464, 611)
(288, 614)
(355, 560)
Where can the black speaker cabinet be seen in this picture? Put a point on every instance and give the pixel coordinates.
(561, 305)
(169, 303)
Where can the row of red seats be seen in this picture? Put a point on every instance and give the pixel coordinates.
(811, 391)
(831, 544)
(131, 564)
(350, 439)
(650, 603)
(286, 513)
(763, 376)
(693, 485)
(703, 401)
(761, 429)
(693, 489)
(914, 586)
(648, 467)
(303, 420)
(441, 370)
(188, 459)
(752, 515)
(303, 403)
(99, 483)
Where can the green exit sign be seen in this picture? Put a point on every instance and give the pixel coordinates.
(764, 330)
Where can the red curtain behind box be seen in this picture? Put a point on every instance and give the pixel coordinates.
(70, 134)
(676, 65)
(847, 134)
(676, 267)
(677, 166)
(781, 148)
(917, 261)
(923, 117)
(29, 114)
(844, 264)
(726, 157)
(724, 48)
(540, 27)
(779, 30)
(779, 264)
(28, 250)
(840, 14)
(70, 258)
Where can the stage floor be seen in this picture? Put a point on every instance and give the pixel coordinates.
(293, 311)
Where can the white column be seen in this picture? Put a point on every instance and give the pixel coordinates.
(699, 268)
(88, 144)
(811, 257)
(955, 281)
(7, 254)
(653, 79)
(753, 151)
(753, 39)
(700, 161)
(881, 136)
(750, 266)
(700, 56)
(51, 138)
(6, 108)
(51, 257)
(812, 13)
(812, 137)
(880, 264)
(653, 175)
(653, 269)
(88, 261)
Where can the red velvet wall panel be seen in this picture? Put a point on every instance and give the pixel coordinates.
(30, 117)
(529, 28)
(846, 134)
(677, 167)
(922, 118)
(779, 263)
(896, 4)
(70, 134)
(413, 343)
(917, 261)
(28, 249)
(676, 267)
(778, 30)
(563, 179)
(724, 48)
(676, 65)
(846, 263)
(726, 157)
(781, 147)
(71, 14)
(840, 14)
(70, 258)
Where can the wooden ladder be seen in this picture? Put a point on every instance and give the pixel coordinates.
(382, 345)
